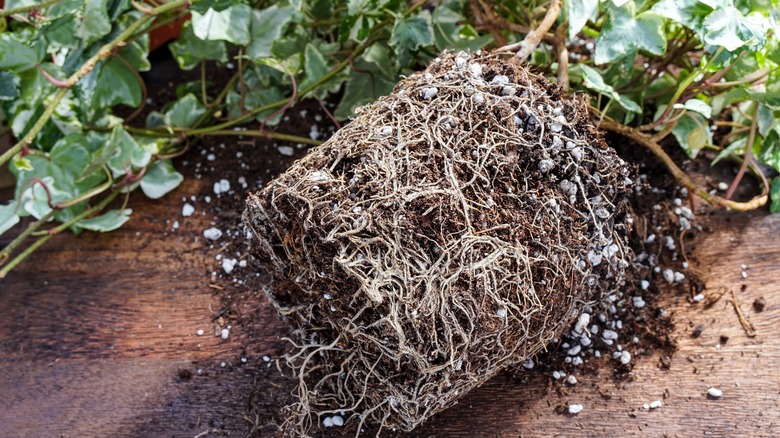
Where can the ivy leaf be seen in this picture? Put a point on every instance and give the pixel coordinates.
(592, 79)
(231, 24)
(109, 221)
(8, 217)
(579, 12)
(727, 27)
(116, 84)
(16, 56)
(689, 13)
(623, 33)
(218, 5)
(129, 154)
(450, 34)
(65, 164)
(9, 85)
(185, 112)
(766, 120)
(371, 78)
(22, 164)
(411, 33)
(770, 150)
(289, 66)
(315, 66)
(189, 50)
(264, 87)
(159, 179)
(95, 22)
(774, 194)
(770, 99)
(267, 26)
(35, 199)
(692, 133)
(724, 100)
(696, 105)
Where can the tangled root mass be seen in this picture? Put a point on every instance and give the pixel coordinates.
(453, 228)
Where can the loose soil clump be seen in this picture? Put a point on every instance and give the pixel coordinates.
(454, 228)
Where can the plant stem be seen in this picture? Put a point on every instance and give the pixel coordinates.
(18, 259)
(20, 238)
(87, 67)
(20, 9)
(748, 154)
(27, 140)
(528, 44)
(279, 103)
(647, 141)
(268, 134)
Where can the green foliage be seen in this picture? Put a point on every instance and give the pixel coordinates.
(668, 67)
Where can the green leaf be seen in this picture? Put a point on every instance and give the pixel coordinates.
(289, 66)
(16, 56)
(22, 164)
(770, 99)
(267, 26)
(8, 217)
(9, 85)
(160, 178)
(372, 77)
(774, 194)
(35, 199)
(448, 31)
(692, 133)
(696, 105)
(231, 24)
(689, 13)
(727, 27)
(185, 112)
(723, 100)
(116, 84)
(189, 50)
(315, 66)
(592, 79)
(263, 86)
(579, 12)
(766, 120)
(95, 22)
(129, 154)
(204, 5)
(109, 221)
(61, 33)
(411, 33)
(623, 33)
(64, 164)
(770, 150)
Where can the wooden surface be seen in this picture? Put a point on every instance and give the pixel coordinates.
(98, 338)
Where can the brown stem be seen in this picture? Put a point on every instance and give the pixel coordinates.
(748, 155)
(329, 114)
(526, 47)
(647, 142)
(563, 55)
(56, 82)
(286, 105)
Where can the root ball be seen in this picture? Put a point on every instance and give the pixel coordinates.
(455, 227)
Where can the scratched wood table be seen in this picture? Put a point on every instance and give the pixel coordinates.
(98, 337)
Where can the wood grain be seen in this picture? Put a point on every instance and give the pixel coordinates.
(98, 338)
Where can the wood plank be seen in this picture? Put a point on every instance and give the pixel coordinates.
(96, 330)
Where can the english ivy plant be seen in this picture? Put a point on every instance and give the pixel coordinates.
(654, 69)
